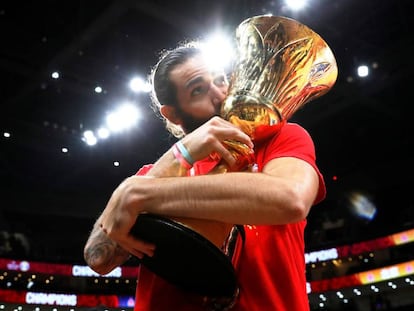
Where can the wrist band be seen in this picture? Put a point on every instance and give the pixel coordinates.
(183, 150)
(180, 158)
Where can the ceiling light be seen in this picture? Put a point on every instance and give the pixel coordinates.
(123, 118)
(138, 85)
(363, 71)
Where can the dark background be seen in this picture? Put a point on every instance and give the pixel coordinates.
(362, 128)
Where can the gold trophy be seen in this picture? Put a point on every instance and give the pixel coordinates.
(281, 65)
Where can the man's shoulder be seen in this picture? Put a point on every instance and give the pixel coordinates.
(292, 126)
(291, 129)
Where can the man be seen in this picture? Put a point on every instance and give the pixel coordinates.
(271, 204)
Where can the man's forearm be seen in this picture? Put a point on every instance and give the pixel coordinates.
(233, 198)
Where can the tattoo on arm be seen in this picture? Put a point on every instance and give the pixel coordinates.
(100, 251)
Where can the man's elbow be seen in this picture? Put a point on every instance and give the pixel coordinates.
(305, 198)
(300, 211)
(299, 208)
(100, 269)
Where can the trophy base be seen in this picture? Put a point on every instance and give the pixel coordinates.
(185, 258)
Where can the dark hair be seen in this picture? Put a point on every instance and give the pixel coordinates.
(163, 90)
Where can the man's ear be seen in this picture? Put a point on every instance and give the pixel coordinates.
(170, 114)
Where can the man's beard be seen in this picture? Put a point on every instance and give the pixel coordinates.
(190, 123)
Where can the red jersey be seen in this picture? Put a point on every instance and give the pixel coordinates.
(271, 264)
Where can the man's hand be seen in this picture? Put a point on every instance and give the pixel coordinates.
(208, 139)
(120, 215)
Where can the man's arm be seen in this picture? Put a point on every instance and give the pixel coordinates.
(103, 254)
(282, 193)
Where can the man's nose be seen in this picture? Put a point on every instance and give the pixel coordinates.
(218, 94)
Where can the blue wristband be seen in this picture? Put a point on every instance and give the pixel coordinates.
(183, 150)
